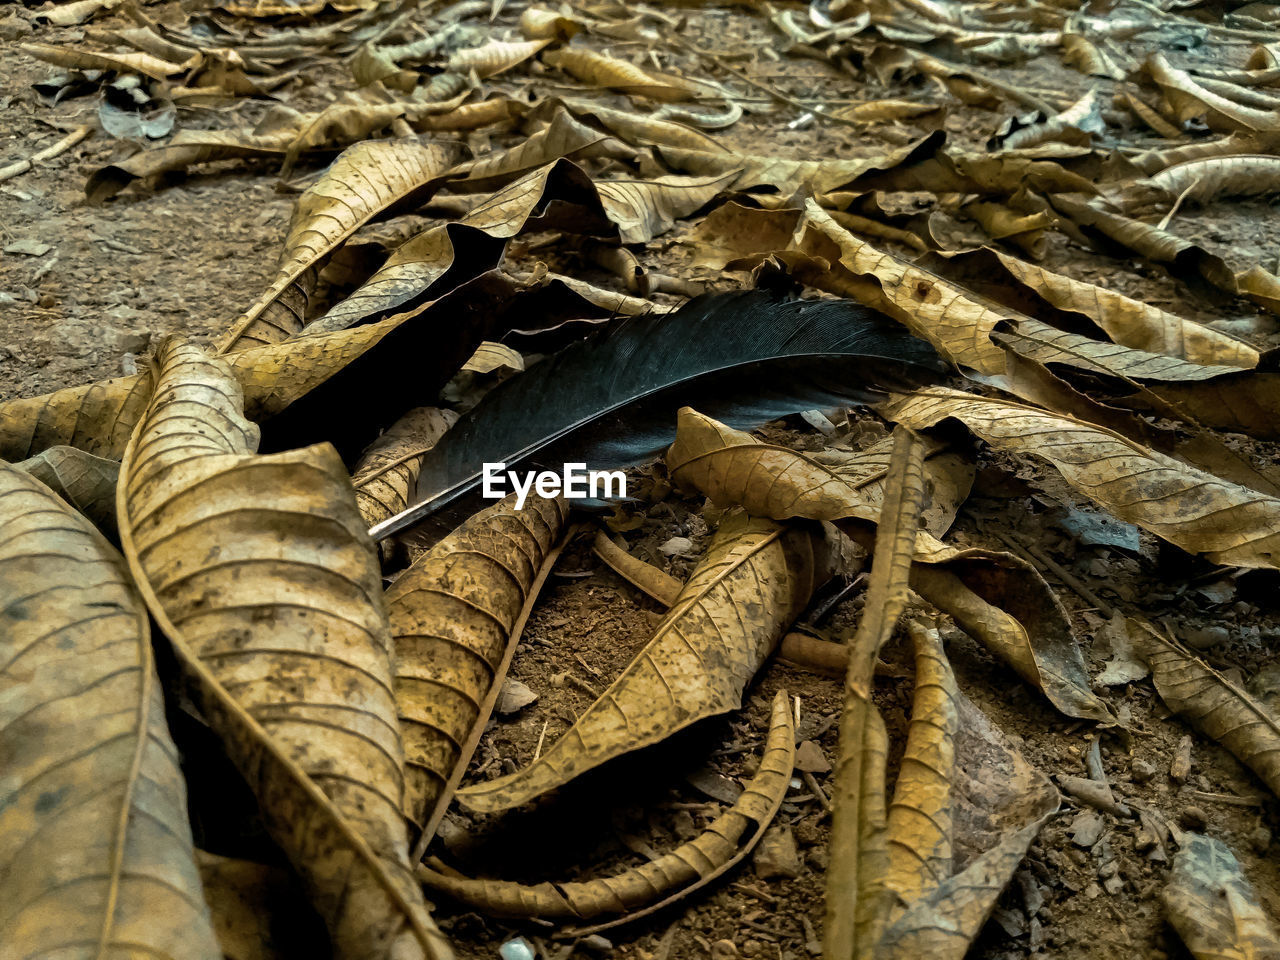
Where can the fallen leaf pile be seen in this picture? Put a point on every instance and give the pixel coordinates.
(269, 657)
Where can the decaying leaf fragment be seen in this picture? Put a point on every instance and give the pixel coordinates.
(1214, 908)
(1188, 507)
(452, 617)
(602, 71)
(1212, 703)
(699, 660)
(495, 57)
(388, 471)
(661, 586)
(637, 892)
(259, 571)
(94, 800)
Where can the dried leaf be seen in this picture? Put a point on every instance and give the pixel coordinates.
(562, 137)
(1212, 905)
(650, 579)
(367, 179)
(644, 128)
(643, 209)
(1118, 235)
(94, 800)
(602, 71)
(471, 116)
(258, 570)
(78, 59)
(453, 618)
(86, 482)
(538, 23)
(1191, 100)
(1214, 704)
(700, 658)
(387, 472)
(1189, 508)
(1203, 181)
(1129, 322)
(858, 880)
(636, 892)
(495, 57)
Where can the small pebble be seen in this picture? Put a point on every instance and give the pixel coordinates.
(677, 547)
(517, 949)
(1202, 638)
(1193, 818)
(1141, 771)
(723, 950)
(777, 855)
(811, 759)
(1086, 828)
(1180, 765)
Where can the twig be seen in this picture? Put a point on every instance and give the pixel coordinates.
(1039, 558)
(48, 153)
(1178, 203)
(816, 788)
(537, 751)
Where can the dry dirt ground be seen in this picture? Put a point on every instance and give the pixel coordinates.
(188, 256)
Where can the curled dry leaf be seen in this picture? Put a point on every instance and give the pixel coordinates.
(1070, 303)
(94, 798)
(388, 471)
(637, 892)
(1190, 100)
(86, 482)
(260, 573)
(259, 911)
(563, 136)
(699, 660)
(78, 59)
(994, 597)
(495, 57)
(645, 129)
(453, 616)
(1192, 509)
(1212, 905)
(1213, 704)
(645, 576)
(1118, 235)
(602, 71)
(367, 179)
(1203, 181)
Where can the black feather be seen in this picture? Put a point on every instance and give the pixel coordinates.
(610, 401)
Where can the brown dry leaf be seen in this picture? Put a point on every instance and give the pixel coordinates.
(77, 59)
(1026, 231)
(823, 254)
(1191, 100)
(367, 179)
(858, 880)
(1149, 115)
(454, 615)
(643, 209)
(883, 111)
(1213, 704)
(1082, 53)
(699, 660)
(1118, 235)
(538, 23)
(495, 57)
(789, 176)
(77, 11)
(470, 116)
(86, 482)
(645, 576)
(1192, 509)
(1212, 905)
(1203, 181)
(185, 149)
(1071, 303)
(94, 799)
(259, 571)
(997, 599)
(387, 472)
(643, 129)
(1224, 397)
(636, 892)
(919, 822)
(602, 71)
